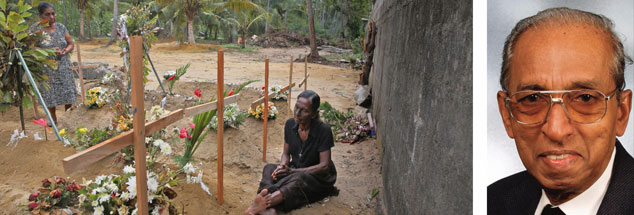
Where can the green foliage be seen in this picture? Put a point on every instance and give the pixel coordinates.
(334, 117)
(14, 35)
(139, 23)
(179, 72)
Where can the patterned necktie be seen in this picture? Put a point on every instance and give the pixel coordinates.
(551, 210)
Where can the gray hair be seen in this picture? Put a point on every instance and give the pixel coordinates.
(564, 15)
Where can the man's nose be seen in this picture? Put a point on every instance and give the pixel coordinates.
(557, 125)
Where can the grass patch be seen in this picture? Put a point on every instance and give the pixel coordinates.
(232, 47)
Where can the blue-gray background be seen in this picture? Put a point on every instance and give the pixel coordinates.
(502, 15)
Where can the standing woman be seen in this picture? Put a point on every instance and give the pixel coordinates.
(61, 81)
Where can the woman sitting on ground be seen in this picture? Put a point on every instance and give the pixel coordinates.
(306, 173)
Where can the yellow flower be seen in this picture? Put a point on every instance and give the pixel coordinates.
(83, 130)
(62, 132)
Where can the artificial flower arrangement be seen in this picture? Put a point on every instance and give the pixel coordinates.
(116, 194)
(157, 112)
(277, 94)
(233, 117)
(54, 197)
(96, 97)
(107, 78)
(176, 76)
(354, 129)
(259, 111)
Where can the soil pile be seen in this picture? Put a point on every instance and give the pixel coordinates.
(281, 39)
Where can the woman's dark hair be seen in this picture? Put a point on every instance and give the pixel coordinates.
(313, 98)
(43, 6)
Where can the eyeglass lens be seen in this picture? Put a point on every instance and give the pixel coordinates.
(584, 106)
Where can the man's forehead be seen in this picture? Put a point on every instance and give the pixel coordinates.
(572, 55)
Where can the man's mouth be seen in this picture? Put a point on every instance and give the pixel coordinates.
(559, 160)
(557, 157)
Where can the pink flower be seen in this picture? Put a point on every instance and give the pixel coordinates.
(41, 122)
(230, 93)
(46, 182)
(171, 78)
(72, 187)
(197, 92)
(60, 180)
(33, 196)
(183, 133)
(32, 205)
(56, 194)
(192, 125)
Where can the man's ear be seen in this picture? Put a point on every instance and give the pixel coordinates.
(623, 112)
(506, 116)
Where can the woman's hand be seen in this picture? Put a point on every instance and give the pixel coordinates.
(281, 172)
(60, 52)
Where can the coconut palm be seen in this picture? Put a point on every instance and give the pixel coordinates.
(243, 15)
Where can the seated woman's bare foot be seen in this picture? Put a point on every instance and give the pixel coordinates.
(259, 204)
(269, 211)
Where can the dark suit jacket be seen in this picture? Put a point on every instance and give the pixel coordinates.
(520, 193)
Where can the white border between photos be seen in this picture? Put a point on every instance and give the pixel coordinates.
(479, 106)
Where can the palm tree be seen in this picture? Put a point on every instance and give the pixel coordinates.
(311, 25)
(190, 8)
(245, 14)
(81, 5)
(115, 18)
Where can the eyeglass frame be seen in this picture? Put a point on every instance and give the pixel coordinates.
(557, 100)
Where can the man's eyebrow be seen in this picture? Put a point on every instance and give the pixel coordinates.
(524, 87)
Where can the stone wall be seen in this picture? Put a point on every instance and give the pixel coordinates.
(422, 100)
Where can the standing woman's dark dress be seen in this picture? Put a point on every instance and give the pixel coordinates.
(302, 188)
(61, 81)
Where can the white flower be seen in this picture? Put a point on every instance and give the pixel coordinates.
(152, 185)
(159, 142)
(104, 197)
(150, 197)
(189, 168)
(134, 212)
(99, 179)
(166, 149)
(125, 196)
(112, 187)
(128, 169)
(99, 190)
(98, 210)
(132, 186)
(81, 198)
(156, 210)
(95, 203)
(123, 210)
(148, 140)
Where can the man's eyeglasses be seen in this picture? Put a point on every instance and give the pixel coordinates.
(581, 106)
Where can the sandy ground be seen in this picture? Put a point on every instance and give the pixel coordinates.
(358, 165)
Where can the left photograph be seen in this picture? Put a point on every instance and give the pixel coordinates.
(236, 107)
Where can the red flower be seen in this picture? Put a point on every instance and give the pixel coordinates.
(32, 205)
(41, 122)
(56, 194)
(171, 78)
(183, 133)
(197, 92)
(112, 195)
(72, 187)
(60, 180)
(33, 196)
(46, 182)
(192, 125)
(230, 93)
(263, 87)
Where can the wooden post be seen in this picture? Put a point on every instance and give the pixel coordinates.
(221, 123)
(265, 115)
(81, 75)
(290, 81)
(306, 73)
(136, 72)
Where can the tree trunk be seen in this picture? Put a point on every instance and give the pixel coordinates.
(244, 37)
(266, 23)
(311, 25)
(64, 16)
(190, 31)
(115, 20)
(216, 33)
(89, 28)
(82, 36)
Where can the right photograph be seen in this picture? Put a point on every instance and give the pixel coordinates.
(559, 135)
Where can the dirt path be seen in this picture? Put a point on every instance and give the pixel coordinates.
(24, 166)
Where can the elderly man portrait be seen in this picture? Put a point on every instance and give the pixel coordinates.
(564, 103)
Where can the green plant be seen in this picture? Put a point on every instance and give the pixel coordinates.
(137, 22)
(14, 35)
(233, 117)
(334, 117)
(194, 136)
(179, 72)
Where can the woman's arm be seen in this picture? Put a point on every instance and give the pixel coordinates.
(322, 166)
(286, 155)
(69, 45)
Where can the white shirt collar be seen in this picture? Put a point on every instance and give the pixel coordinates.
(587, 202)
